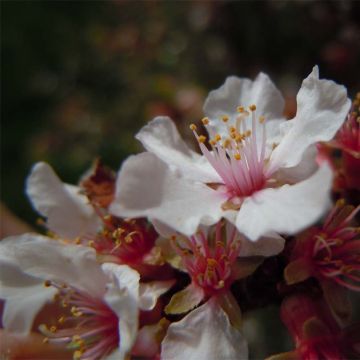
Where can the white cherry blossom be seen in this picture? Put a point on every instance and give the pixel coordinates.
(258, 170)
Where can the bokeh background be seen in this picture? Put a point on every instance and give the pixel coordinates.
(79, 79)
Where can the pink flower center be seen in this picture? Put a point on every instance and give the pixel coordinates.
(209, 258)
(238, 157)
(88, 326)
(128, 240)
(336, 251)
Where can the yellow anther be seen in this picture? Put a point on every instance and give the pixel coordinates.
(201, 139)
(240, 109)
(77, 241)
(232, 129)
(247, 133)
(47, 283)
(45, 340)
(193, 127)
(237, 157)
(225, 118)
(61, 319)
(217, 137)
(64, 304)
(252, 107)
(226, 143)
(91, 243)
(128, 239)
(211, 262)
(53, 329)
(107, 217)
(261, 119)
(204, 120)
(340, 203)
(238, 137)
(118, 232)
(77, 354)
(221, 284)
(212, 142)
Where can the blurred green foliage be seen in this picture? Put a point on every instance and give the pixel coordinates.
(79, 78)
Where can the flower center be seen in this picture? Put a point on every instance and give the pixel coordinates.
(336, 250)
(239, 156)
(128, 240)
(209, 258)
(89, 326)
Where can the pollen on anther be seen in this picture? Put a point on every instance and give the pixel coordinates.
(47, 283)
(237, 157)
(204, 120)
(252, 107)
(261, 119)
(193, 127)
(217, 137)
(202, 138)
(240, 109)
(225, 118)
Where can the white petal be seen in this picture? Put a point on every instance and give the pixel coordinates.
(268, 245)
(306, 167)
(287, 209)
(68, 213)
(122, 296)
(146, 186)
(322, 106)
(204, 334)
(161, 138)
(151, 291)
(25, 295)
(245, 92)
(49, 259)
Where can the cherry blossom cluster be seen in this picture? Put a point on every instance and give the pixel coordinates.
(146, 263)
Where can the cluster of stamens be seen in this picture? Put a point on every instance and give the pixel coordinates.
(209, 258)
(239, 157)
(88, 326)
(128, 240)
(336, 249)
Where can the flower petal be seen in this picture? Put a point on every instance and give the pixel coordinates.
(25, 295)
(322, 106)
(205, 333)
(267, 245)
(46, 258)
(146, 186)
(287, 209)
(151, 291)
(161, 138)
(68, 213)
(245, 92)
(185, 300)
(122, 296)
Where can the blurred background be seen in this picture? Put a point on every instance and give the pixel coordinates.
(79, 78)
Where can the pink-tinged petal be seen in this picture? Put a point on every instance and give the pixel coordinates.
(146, 186)
(122, 295)
(25, 295)
(151, 291)
(322, 106)
(287, 209)
(267, 245)
(67, 211)
(49, 259)
(161, 137)
(242, 91)
(205, 333)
